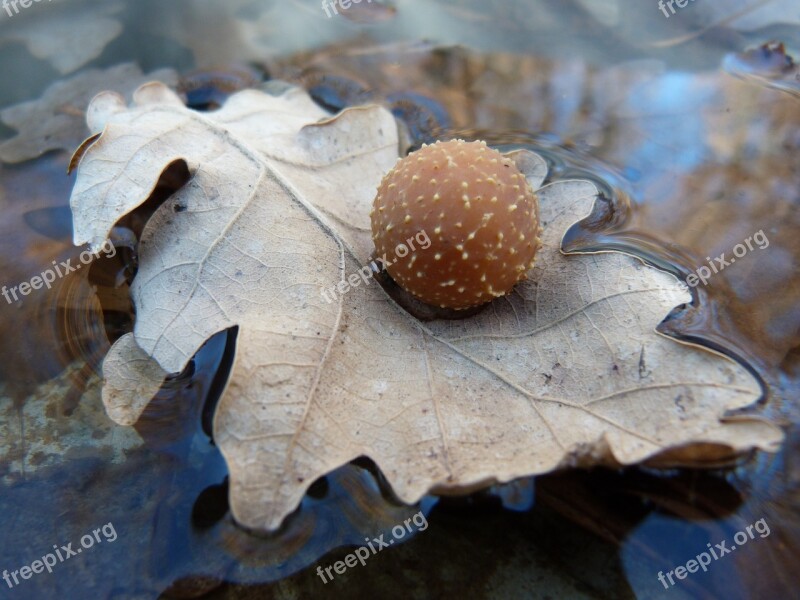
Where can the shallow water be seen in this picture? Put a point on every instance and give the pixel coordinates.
(694, 144)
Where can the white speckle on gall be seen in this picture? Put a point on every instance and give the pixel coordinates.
(459, 270)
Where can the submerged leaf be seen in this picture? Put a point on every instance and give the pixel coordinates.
(566, 370)
(69, 37)
(57, 120)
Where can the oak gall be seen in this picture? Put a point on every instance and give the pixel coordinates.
(479, 212)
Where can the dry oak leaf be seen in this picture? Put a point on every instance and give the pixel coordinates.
(568, 369)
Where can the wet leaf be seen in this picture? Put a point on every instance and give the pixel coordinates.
(567, 370)
(38, 435)
(748, 15)
(57, 120)
(681, 148)
(667, 25)
(67, 37)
